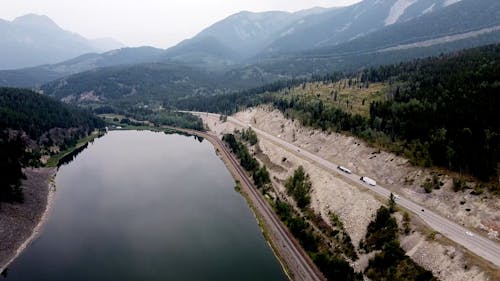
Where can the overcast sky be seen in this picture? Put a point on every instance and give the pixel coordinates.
(159, 23)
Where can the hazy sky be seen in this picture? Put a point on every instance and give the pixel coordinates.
(159, 23)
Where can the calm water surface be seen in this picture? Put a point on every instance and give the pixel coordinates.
(148, 206)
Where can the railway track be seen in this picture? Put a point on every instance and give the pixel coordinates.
(308, 270)
(296, 259)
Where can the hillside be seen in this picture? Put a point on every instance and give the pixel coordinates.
(139, 82)
(237, 37)
(120, 81)
(151, 83)
(36, 114)
(380, 22)
(474, 16)
(437, 111)
(39, 75)
(250, 37)
(32, 125)
(350, 201)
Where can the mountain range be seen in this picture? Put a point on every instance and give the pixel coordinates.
(258, 48)
(247, 37)
(35, 76)
(32, 40)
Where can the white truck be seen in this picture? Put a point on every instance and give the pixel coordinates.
(344, 169)
(368, 181)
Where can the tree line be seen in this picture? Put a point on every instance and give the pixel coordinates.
(232, 102)
(329, 260)
(260, 175)
(157, 117)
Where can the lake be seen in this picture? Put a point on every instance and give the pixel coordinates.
(140, 205)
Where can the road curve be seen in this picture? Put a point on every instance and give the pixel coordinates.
(302, 267)
(474, 242)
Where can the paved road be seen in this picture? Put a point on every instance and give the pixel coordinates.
(302, 267)
(476, 243)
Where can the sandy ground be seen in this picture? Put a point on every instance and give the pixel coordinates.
(447, 262)
(481, 213)
(21, 223)
(354, 205)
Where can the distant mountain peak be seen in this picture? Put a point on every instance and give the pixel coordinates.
(36, 20)
(33, 39)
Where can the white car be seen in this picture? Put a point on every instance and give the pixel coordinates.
(469, 233)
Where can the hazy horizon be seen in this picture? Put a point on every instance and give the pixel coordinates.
(154, 23)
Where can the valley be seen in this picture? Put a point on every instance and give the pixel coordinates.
(250, 140)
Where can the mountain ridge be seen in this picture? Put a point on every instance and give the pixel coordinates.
(38, 75)
(32, 40)
(259, 43)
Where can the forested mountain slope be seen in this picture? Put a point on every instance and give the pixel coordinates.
(35, 114)
(151, 83)
(436, 111)
(39, 75)
(32, 125)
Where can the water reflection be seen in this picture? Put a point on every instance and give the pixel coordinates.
(147, 206)
(71, 156)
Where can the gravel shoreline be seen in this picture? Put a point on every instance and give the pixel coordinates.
(20, 224)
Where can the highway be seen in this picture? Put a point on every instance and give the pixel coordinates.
(297, 260)
(474, 242)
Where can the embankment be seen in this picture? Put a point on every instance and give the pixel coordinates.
(20, 224)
